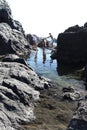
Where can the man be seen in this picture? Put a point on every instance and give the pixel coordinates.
(50, 35)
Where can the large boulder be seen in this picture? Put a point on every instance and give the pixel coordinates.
(72, 44)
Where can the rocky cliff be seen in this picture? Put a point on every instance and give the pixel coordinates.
(21, 87)
(12, 37)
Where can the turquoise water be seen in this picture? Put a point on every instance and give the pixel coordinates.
(42, 64)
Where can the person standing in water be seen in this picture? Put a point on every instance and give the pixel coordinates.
(34, 41)
(44, 43)
(51, 36)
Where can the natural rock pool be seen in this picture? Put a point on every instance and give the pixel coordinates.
(42, 64)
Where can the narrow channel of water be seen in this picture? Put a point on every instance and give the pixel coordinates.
(41, 62)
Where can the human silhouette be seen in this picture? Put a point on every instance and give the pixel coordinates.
(51, 36)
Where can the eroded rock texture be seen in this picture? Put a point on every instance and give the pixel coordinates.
(12, 37)
(18, 92)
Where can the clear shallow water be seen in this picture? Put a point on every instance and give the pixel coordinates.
(41, 62)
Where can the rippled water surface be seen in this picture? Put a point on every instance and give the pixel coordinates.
(41, 62)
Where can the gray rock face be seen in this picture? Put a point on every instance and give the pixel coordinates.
(12, 41)
(6, 17)
(17, 93)
(18, 82)
(17, 98)
(5, 12)
(12, 37)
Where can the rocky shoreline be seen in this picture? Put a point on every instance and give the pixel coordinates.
(29, 101)
(19, 91)
(19, 84)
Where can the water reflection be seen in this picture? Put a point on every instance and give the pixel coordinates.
(42, 64)
(35, 58)
(44, 55)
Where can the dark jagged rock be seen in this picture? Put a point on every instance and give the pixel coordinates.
(79, 121)
(12, 41)
(75, 28)
(29, 37)
(69, 93)
(18, 82)
(54, 54)
(5, 12)
(12, 37)
(72, 46)
(6, 16)
(17, 25)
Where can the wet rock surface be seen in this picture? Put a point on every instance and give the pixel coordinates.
(69, 93)
(52, 113)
